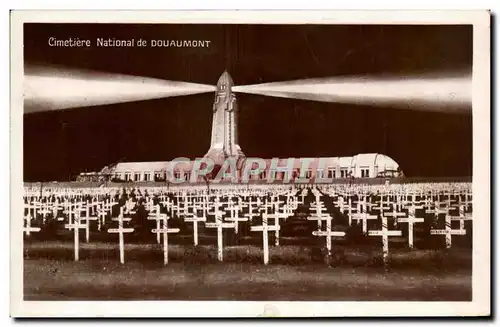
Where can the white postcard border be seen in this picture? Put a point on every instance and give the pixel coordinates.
(481, 171)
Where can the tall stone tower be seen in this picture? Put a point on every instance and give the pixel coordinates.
(224, 141)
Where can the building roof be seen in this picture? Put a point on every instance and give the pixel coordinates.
(382, 162)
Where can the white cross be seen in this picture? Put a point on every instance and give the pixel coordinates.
(55, 208)
(411, 219)
(120, 230)
(450, 202)
(350, 209)
(303, 194)
(383, 205)
(182, 206)
(318, 207)
(394, 214)
(340, 203)
(287, 210)
(165, 231)
(234, 209)
(276, 216)
(365, 217)
(465, 202)
(384, 233)
(265, 228)
(175, 206)
(369, 205)
(251, 213)
(361, 205)
(462, 216)
(87, 220)
(44, 211)
(102, 213)
(36, 206)
(427, 203)
(203, 207)
(194, 218)
(448, 232)
(293, 202)
(28, 229)
(328, 233)
(31, 209)
(94, 203)
(319, 218)
(108, 206)
(437, 210)
(158, 217)
(72, 210)
(264, 208)
(167, 204)
(76, 225)
(219, 224)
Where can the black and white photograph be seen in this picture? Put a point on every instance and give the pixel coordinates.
(217, 160)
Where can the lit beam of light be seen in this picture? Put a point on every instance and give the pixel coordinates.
(446, 94)
(48, 88)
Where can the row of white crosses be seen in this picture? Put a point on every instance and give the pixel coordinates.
(436, 207)
(410, 220)
(76, 221)
(400, 217)
(234, 210)
(195, 218)
(359, 212)
(253, 208)
(87, 218)
(219, 224)
(402, 189)
(385, 233)
(319, 214)
(156, 215)
(265, 228)
(277, 215)
(363, 215)
(120, 231)
(448, 231)
(162, 230)
(273, 204)
(74, 213)
(234, 213)
(33, 209)
(199, 207)
(75, 224)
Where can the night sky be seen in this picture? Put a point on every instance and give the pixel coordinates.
(60, 144)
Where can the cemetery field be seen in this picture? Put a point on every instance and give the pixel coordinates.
(293, 273)
(327, 242)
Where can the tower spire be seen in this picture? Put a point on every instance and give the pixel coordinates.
(224, 141)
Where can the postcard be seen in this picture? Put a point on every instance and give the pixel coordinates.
(250, 163)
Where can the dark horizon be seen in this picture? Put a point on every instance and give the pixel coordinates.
(60, 144)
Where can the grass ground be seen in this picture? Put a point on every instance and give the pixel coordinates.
(194, 274)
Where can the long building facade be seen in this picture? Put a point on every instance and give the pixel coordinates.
(224, 148)
(368, 165)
